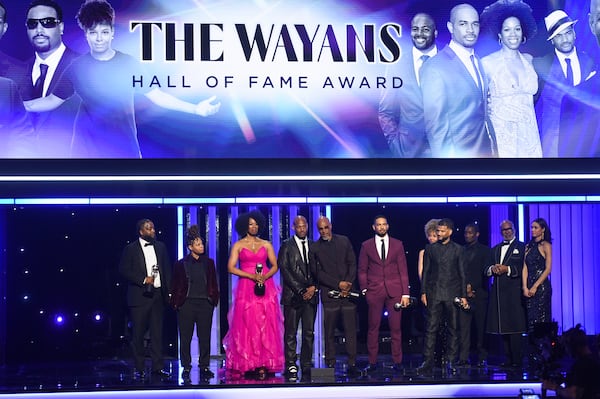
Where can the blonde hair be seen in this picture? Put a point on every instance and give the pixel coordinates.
(430, 226)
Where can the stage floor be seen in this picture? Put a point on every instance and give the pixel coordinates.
(114, 378)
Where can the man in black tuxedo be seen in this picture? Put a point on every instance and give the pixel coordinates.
(299, 298)
(558, 72)
(45, 27)
(443, 280)
(146, 266)
(401, 109)
(506, 313)
(579, 134)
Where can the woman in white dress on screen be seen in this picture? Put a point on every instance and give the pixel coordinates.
(512, 80)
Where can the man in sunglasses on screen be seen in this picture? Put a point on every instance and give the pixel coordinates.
(45, 28)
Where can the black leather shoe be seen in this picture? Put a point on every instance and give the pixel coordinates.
(161, 373)
(353, 372)
(425, 368)
(371, 368)
(206, 373)
(185, 375)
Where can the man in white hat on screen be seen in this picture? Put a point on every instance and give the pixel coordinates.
(579, 114)
(558, 72)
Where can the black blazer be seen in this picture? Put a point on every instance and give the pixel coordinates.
(133, 268)
(331, 270)
(296, 275)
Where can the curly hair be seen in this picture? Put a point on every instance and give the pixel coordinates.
(95, 12)
(494, 15)
(430, 226)
(192, 234)
(241, 224)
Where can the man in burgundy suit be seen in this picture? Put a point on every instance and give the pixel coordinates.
(383, 277)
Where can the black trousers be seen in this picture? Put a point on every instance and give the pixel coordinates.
(513, 348)
(293, 315)
(438, 311)
(331, 312)
(198, 312)
(148, 316)
(471, 327)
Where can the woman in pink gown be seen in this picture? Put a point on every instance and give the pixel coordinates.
(254, 342)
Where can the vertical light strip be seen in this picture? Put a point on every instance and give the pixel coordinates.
(212, 241)
(233, 279)
(180, 232)
(328, 212)
(521, 221)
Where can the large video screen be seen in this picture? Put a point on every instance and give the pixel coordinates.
(298, 79)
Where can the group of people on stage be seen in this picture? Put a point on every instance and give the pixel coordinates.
(262, 339)
(507, 104)
(62, 104)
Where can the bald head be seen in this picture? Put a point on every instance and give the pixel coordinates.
(324, 227)
(300, 227)
(458, 10)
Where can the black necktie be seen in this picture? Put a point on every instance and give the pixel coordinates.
(382, 249)
(38, 87)
(569, 72)
(304, 255)
(148, 244)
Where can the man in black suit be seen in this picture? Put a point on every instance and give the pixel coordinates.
(579, 134)
(401, 109)
(299, 298)
(558, 72)
(146, 266)
(477, 257)
(506, 314)
(443, 280)
(45, 27)
(335, 266)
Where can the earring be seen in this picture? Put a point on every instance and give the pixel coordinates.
(500, 42)
(524, 39)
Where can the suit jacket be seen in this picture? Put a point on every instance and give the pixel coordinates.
(180, 282)
(54, 129)
(478, 258)
(444, 275)
(506, 314)
(455, 109)
(552, 87)
(297, 276)
(133, 268)
(15, 70)
(579, 132)
(15, 127)
(389, 277)
(401, 111)
(331, 267)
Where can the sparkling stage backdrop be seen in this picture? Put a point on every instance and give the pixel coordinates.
(299, 79)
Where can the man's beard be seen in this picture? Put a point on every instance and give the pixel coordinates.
(148, 238)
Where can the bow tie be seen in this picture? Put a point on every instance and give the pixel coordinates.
(505, 243)
(148, 244)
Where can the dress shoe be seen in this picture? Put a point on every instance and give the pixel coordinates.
(185, 375)
(206, 373)
(306, 374)
(482, 363)
(462, 363)
(425, 368)
(353, 371)
(161, 373)
(139, 375)
(398, 367)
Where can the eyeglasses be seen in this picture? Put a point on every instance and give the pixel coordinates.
(49, 22)
(507, 229)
